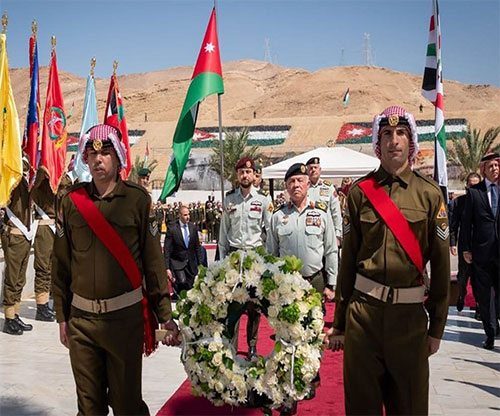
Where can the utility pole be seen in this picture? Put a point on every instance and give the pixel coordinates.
(368, 50)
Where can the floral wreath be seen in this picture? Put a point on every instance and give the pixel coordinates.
(207, 314)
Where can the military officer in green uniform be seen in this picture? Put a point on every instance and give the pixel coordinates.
(17, 235)
(258, 182)
(143, 176)
(170, 215)
(44, 204)
(247, 212)
(100, 315)
(396, 223)
(210, 221)
(201, 216)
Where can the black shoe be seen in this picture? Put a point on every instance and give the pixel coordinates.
(252, 353)
(489, 344)
(22, 325)
(477, 315)
(497, 332)
(460, 304)
(289, 411)
(11, 327)
(44, 313)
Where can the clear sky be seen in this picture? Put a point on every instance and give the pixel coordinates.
(148, 35)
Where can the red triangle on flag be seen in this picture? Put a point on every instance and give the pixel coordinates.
(353, 131)
(209, 56)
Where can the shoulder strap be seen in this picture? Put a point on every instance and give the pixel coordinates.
(394, 219)
(119, 250)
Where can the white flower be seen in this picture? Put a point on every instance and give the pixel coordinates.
(232, 277)
(273, 296)
(252, 279)
(240, 295)
(217, 359)
(273, 311)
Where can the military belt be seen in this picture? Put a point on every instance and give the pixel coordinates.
(389, 294)
(107, 305)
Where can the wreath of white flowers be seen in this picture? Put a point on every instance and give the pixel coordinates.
(293, 310)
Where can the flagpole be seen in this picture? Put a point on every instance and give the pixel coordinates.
(221, 144)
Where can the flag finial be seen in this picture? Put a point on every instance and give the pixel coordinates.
(115, 65)
(34, 27)
(53, 41)
(5, 22)
(92, 65)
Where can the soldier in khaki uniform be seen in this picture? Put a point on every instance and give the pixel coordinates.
(17, 235)
(44, 204)
(380, 293)
(99, 313)
(247, 212)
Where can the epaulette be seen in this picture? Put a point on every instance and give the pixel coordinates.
(76, 186)
(232, 191)
(327, 183)
(428, 180)
(321, 205)
(262, 192)
(368, 175)
(136, 186)
(278, 207)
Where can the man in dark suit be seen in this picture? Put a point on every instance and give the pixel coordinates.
(182, 252)
(464, 269)
(479, 239)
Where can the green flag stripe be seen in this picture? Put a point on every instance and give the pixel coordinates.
(441, 138)
(203, 85)
(431, 49)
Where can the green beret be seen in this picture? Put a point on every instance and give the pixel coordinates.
(144, 172)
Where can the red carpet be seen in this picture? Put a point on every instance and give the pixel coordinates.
(329, 398)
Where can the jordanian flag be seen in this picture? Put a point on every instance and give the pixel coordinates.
(432, 89)
(206, 80)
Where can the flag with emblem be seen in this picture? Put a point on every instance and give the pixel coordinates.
(54, 132)
(206, 80)
(31, 137)
(115, 116)
(11, 167)
(346, 97)
(432, 90)
(89, 119)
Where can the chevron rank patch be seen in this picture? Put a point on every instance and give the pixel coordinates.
(347, 224)
(443, 231)
(442, 212)
(60, 224)
(153, 227)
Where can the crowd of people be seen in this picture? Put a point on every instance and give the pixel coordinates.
(389, 225)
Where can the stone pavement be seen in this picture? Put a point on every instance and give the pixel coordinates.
(36, 379)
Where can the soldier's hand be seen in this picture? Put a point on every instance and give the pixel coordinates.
(433, 344)
(170, 276)
(64, 334)
(334, 339)
(172, 337)
(468, 257)
(453, 250)
(329, 294)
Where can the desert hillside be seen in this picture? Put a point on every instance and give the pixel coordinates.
(259, 93)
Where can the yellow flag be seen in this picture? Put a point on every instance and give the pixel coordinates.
(11, 166)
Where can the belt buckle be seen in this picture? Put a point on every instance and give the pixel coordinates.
(390, 295)
(97, 306)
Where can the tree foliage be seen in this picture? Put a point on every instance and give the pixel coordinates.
(469, 150)
(138, 165)
(235, 147)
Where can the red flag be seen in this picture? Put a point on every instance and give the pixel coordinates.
(54, 133)
(147, 149)
(32, 131)
(115, 116)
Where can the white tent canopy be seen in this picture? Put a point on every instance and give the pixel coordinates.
(336, 162)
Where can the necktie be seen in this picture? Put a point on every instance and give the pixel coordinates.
(494, 198)
(186, 236)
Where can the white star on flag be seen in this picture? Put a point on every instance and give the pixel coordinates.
(355, 132)
(209, 47)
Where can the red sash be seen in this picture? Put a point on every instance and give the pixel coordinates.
(394, 219)
(119, 250)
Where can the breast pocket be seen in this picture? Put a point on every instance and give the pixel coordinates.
(127, 230)
(417, 219)
(81, 234)
(314, 237)
(371, 228)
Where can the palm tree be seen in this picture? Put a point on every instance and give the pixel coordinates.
(235, 147)
(138, 165)
(469, 150)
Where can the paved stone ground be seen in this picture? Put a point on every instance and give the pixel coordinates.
(36, 379)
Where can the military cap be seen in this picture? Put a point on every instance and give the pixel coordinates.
(313, 161)
(144, 172)
(245, 162)
(258, 168)
(296, 169)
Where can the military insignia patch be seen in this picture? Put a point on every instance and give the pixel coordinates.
(270, 208)
(327, 183)
(323, 192)
(97, 144)
(393, 120)
(59, 229)
(347, 224)
(321, 205)
(443, 231)
(442, 212)
(153, 228)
